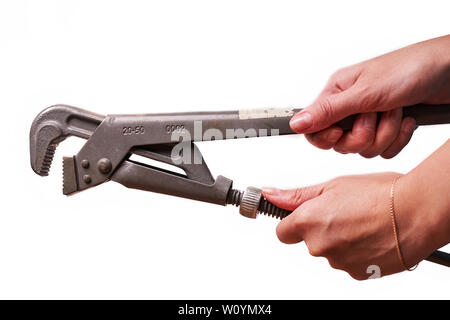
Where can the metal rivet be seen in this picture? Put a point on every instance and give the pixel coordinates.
(85, 163)
(87, 178)
(104, 165)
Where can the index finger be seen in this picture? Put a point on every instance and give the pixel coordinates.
(289, 230)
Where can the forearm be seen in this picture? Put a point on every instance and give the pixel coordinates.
(437, 47)
(424, 198)
(438, 50)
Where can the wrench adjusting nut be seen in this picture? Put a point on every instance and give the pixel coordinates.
(250, 202)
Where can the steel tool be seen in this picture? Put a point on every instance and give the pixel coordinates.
(169, 138)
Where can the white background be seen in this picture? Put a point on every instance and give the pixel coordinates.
(155, 56)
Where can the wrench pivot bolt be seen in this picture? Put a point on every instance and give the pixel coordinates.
(104, 165)
(87, 178)
(85, 164)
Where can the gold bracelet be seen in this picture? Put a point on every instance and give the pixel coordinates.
(394, 227)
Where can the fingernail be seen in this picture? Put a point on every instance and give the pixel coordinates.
(301, 121)
(270, 191)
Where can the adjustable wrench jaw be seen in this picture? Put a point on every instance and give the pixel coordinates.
(111, 140)
(53, 125)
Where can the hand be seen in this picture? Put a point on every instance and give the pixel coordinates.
(347, 220)
(419, 73)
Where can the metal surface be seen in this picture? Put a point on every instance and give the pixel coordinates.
(250, 202)
(113, 139)
(265, 207)
(129, 131)
(52, 126)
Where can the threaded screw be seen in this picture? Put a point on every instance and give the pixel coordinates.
(234, 197)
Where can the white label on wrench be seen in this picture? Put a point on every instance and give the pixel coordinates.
(265, 113)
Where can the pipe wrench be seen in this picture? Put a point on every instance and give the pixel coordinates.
(170, 138)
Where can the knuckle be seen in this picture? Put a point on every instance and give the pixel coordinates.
(363, 141)
(367, 136)
(326, 108)
(368, 154)
(335, 265)
(340, 149)
(328, 147)
(369, 98)
(297, 195)
(358, 276)
(313, 252)
(389, 155)
(318, 249)
(359, 144)
(281, 235)
(287, 230)
(324, 146)
(319, 141)
(394, 116)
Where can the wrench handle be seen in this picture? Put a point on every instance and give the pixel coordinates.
(424, 114)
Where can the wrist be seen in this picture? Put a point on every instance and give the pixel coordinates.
(423, 222)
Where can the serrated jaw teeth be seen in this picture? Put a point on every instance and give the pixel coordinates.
(47, 161)
(70, 184)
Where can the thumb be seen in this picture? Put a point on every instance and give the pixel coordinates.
(325, 111)
(293, 198)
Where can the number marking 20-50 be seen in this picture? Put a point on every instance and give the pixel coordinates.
(128, 131)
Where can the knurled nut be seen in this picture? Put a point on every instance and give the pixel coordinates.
(250, 202)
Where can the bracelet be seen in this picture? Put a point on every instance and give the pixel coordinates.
(394, 227)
